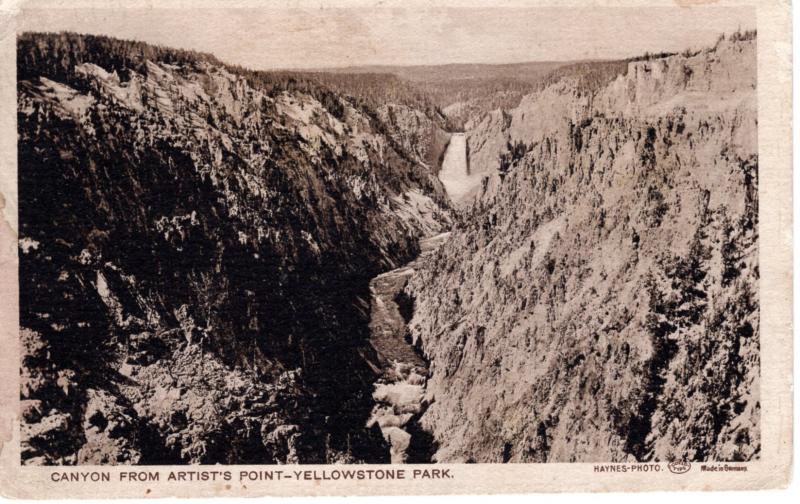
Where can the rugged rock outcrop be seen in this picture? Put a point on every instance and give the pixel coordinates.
(599, 299)
(196, 244)
(417, 133)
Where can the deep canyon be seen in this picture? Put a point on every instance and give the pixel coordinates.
(219, 265)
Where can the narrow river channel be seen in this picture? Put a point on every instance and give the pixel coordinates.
(399, 392)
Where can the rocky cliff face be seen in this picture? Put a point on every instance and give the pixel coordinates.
(417, 133)
(195, 252)
(599, 300)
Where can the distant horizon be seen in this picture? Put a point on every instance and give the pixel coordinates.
(324, 69)
(435, 65)
(365, 66)
(338, 39)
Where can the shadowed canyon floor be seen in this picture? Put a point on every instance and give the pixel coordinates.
(400, 389)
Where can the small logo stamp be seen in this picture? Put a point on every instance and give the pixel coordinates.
(679, 467)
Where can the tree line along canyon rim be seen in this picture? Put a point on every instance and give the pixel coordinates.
(537, 262)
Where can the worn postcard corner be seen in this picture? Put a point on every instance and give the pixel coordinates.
(334, 248)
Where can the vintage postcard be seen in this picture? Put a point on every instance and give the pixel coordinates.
(340, 247)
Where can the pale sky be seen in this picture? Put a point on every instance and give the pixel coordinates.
(325, 37)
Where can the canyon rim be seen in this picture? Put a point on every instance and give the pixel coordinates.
(489, 240)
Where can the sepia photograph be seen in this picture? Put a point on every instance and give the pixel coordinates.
(434, 235)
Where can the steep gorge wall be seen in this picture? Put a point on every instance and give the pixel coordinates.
(419, 134)
(195, 253)
(599, 299)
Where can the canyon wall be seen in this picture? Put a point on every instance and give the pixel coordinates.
(196, 244)
(598, 301)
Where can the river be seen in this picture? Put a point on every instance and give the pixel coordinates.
(399, 391)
